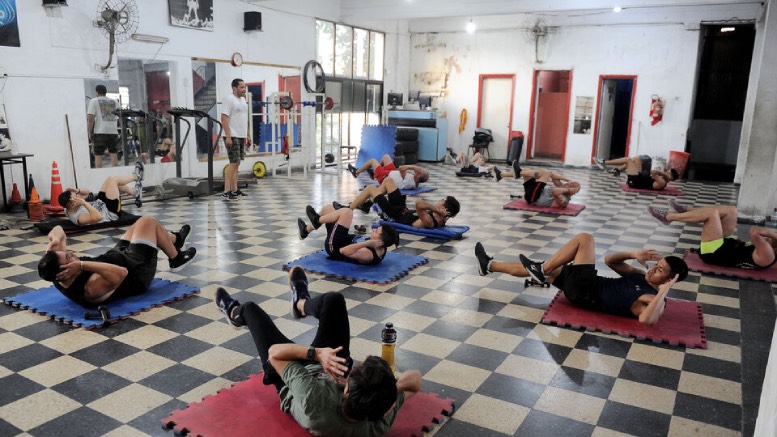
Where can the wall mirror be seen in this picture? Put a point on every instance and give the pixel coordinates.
(584, 107)
(141, 86)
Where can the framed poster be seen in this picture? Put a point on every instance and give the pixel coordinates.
(5, 136)
(194, 14)
(9, 26)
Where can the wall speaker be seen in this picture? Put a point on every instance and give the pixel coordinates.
(252, 21)
(54, 3)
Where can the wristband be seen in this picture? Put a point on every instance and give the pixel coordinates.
(311, 353)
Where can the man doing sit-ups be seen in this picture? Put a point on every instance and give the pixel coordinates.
(125, 270)
(637, 293)
(638, 172)
(537, 190)
(85, 208)
(719, 245)
(406, 177)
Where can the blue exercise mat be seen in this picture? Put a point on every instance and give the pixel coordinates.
(393, 267)
(51, 302)
(408, 192)
(445, 232)
(377, 140)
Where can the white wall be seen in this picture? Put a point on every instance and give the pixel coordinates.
(662, 57)
(60, 48)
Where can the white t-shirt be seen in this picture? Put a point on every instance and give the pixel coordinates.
(99, 205)
(408, 183)
(237, 111)
(104, 111)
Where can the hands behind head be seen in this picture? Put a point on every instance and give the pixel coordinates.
(333, 365)
(645, 255)
(69, 271)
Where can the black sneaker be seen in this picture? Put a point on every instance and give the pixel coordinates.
(360, 229)
(613, 171)
(337, 205)
(498, 174)
(313, 216)
(352, 169)
(534, 268)
(303, 229)
(298, 284)
(452, 154)
(239, 193)
(483, 259)
(516, 169)
(371, 173)
(228, 196)
(180, 236)
(365, 207)
(226, 304)
(182, 258)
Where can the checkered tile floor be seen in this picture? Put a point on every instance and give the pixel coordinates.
(476, 339)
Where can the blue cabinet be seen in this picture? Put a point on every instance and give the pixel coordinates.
(432, 132)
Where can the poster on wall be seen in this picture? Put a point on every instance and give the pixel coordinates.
(9, 27)
(194, 14)
(5, 136)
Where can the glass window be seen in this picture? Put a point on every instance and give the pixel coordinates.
(343, 50)
(376, 55)
(361, 53)
(325, 45)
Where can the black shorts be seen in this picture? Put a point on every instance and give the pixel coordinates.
(579, 283)
(141, 263)
(394, 206)
(470, 169)
(532, 190)
(113, 205)
(105, 141)
(640, 181)
(733, 253)
(337, 237)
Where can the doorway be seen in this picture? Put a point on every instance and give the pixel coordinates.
(495, 111)
(549, 115)
(614, 111)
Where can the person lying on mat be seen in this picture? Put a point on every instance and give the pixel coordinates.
(475, 165)
(125, 270)
(719, 245)
(406, 177)
(537, 190)
(393, 205)
(636, 293)
(342, 246)
(319, 385)
(638, 172)
(84, 208)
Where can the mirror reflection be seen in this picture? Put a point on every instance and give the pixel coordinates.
(583, 113)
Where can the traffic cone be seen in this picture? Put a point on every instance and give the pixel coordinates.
(34, 206)
(30, 186)
(54, 208)
(15, 205)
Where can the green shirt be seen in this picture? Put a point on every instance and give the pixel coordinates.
(313, 399)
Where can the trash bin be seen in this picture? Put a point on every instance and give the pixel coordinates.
(679, 161)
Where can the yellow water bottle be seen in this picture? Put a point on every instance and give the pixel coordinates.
(388, 343)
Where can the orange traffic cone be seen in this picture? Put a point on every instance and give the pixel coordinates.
(15, 205)
(34, 206)
(54, 208)
(31, 185)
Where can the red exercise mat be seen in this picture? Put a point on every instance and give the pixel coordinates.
(571, 209)
(251, 408)
(681, 324)
(668, 190)
(697, 265)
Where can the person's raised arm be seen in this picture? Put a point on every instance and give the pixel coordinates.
(653, 311)
(409, 382)
(92, 215)
(617, 261)
(358, 251)
(425, 210)
(107, 277)
(57, 239)
(283, 353)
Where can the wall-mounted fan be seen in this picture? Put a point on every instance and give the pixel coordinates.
(118, 20)
(536, 31)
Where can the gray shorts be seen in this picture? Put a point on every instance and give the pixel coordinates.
(546, 198)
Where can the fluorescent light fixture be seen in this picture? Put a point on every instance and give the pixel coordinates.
(149, 38)
(728, 29)
(617, 9)
(471, 27)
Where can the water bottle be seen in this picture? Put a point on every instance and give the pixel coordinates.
(388, 339)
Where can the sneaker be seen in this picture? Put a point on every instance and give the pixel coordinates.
(677, 207)
(352, 169)
(365, 207)
(599, 163)
(182, 258)
(360, 229)
(313, 216)
(337, 205)
(303, 229)
(371, 173)
(613, 171)
(452, 154)
(534, 268)
(139, 192)
(298, 284)
(498, 174)
(228, 196)
(239, 193)
(483, 259)
(138, 170)
(180, 236)
(516, 169)
(659, 214)
(226, 304)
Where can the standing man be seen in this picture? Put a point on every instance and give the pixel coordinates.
(101, 122)
(234, 117)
